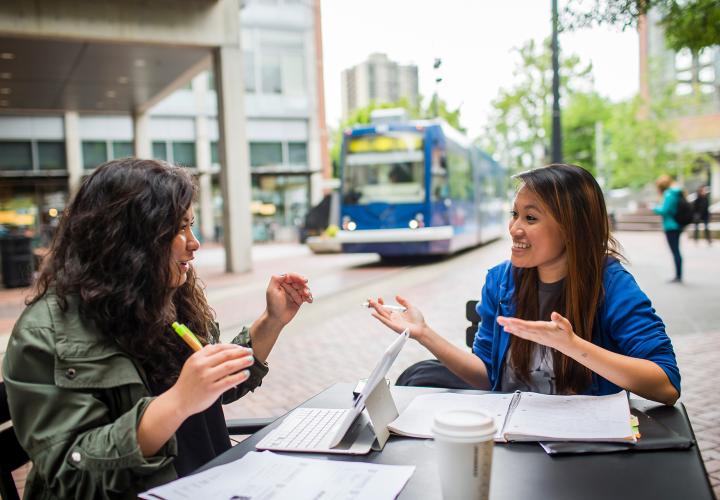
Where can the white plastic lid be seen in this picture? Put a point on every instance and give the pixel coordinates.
(463, 425)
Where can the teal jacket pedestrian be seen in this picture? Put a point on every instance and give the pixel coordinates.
(668, 209)
(626, 323)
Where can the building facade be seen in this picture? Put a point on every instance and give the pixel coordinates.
(377, 80)
(285, 129)
(694, 81)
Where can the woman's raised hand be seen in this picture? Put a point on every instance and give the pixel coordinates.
(557, 333)
(412, 318)
(208, 373)
(284, 296)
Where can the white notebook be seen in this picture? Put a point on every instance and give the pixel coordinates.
(528, 416)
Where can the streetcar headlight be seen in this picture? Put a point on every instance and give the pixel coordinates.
(348, 224)
(418, 221)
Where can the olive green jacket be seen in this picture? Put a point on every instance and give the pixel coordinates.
(76, 400)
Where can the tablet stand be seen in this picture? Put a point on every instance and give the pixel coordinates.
(381, 409)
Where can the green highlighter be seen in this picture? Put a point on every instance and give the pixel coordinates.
(188, 336)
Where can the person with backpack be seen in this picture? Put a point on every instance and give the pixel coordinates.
(676, 213)
(701, 213)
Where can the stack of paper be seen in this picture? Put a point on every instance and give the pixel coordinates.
(269, 476)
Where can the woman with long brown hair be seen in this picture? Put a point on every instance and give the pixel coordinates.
(562, 316)
(104, 396)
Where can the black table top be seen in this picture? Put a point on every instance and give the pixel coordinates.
(524, 470)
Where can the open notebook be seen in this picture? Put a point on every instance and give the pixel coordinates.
(528, 416)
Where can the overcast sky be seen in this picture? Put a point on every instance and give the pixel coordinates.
(474, 38)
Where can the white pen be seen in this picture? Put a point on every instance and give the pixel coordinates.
(389, 307)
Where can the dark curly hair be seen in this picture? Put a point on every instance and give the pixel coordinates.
(113, 250)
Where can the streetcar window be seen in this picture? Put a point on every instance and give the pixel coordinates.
(383, 182)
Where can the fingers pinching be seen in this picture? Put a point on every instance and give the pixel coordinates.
(295, 278)
(294, 294)
(299, 284)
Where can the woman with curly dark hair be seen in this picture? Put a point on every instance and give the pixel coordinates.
(104, 396)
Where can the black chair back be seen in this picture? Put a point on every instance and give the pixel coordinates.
(13, 456)
(474, 318)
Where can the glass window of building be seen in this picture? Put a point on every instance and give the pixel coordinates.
(15, 155)
(184, 153)
(297, 152)
(122, 149)
(293, 72)
(159, 150)
(249, 63)
(51, 155)
(214, 153)
(683, 59)
(264, 154)
(94, 153)
(271, 73)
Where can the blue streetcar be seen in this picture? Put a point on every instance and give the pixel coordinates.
(417, 188)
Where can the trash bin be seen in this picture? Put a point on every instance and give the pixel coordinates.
(17, 261)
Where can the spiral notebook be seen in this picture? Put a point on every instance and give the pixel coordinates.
(528, 416)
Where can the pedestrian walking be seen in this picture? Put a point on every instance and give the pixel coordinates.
(671, 194)
(701, 213)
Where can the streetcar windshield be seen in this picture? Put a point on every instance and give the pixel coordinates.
(384, 169)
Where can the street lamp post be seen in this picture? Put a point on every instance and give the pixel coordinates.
(556, 130)
(436, 66)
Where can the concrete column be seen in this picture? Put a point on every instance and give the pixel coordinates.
(314, 158)
(202, 158)
(141, 135)
(73, 151)
(714, 181)
(233, 148)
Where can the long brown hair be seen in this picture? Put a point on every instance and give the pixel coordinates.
(574, 199)
(113, 250)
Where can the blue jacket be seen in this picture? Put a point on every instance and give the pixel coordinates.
(625, 323)
(671, 197)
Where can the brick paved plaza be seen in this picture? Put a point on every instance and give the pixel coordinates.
(335, 340)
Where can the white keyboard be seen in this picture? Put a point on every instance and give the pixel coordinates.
(304, 429)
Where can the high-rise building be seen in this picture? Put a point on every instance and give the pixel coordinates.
(695, 81)
(378, 80)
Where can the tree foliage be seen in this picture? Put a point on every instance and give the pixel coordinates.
(519, 125)
(692, 24)
(636, 137)
(637, 145)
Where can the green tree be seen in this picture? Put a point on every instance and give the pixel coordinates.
(636, 136)
(638, 145)
(519, 124)
(694, 24)
(579, 125)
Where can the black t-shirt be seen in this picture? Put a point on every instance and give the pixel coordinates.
(200, 438)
